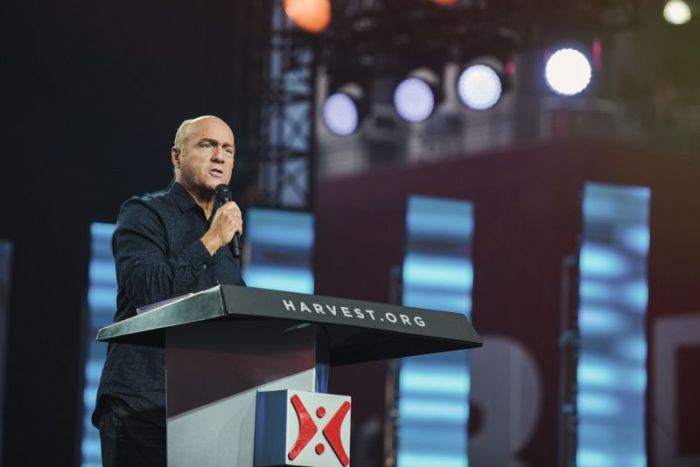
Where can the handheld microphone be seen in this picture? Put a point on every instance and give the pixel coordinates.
(223, 196)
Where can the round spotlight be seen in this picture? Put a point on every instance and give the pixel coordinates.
(414, 99)
(479, 87)
(310, 15)
(340, 114)
(568, 72)
(677, 12)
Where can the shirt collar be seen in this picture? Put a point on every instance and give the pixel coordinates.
(182, 197)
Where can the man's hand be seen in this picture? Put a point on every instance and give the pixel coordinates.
(227, 221)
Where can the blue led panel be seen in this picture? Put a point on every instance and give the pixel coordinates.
(280, 245)
(434, 389)
(5, 269)
(613, 292)
(102, 299)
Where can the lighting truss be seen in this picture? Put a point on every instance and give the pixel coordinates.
(286, 140)
(394, 36)
(374, 38)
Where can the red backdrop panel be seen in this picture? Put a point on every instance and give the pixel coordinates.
(527, 219)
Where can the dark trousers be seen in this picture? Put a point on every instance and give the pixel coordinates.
(131, 439)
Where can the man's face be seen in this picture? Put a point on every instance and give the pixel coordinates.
(206, 159)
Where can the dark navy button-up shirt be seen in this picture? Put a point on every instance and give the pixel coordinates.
(158, 255)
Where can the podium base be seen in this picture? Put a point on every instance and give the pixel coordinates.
(214, 371)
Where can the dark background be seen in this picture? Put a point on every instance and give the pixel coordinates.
(92, 93)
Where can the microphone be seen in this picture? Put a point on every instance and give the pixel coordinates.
(223, 196)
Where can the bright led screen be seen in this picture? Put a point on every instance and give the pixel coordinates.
(279, 244)
(613, 291)
(102, 299)
(434, 389)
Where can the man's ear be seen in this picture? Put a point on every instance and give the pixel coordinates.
(175, 157)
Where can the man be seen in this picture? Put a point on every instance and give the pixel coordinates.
(166, 244)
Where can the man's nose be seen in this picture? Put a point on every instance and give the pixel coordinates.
(218, 154)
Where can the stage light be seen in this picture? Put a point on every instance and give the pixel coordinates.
(417, 95)
(677, 12)
(445, 2)
(414, 100)
(479, 87)
(340, 114)
(344, 109)
(568, 72)
(309, 15)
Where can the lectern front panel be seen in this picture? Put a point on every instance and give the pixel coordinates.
(214, 370)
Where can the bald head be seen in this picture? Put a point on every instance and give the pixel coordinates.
(183, 132)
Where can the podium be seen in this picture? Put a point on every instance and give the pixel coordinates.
(226, 344)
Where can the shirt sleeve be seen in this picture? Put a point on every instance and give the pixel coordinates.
(147, 269)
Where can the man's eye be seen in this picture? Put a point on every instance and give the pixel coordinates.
(206, 145)
(229, 151)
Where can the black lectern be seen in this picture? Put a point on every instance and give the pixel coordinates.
(225, 344)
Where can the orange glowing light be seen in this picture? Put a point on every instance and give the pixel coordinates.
(445, 2)
(309, 15)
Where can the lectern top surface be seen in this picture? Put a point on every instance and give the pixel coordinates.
(358, 331)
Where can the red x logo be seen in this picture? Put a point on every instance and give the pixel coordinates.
(308, 428)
